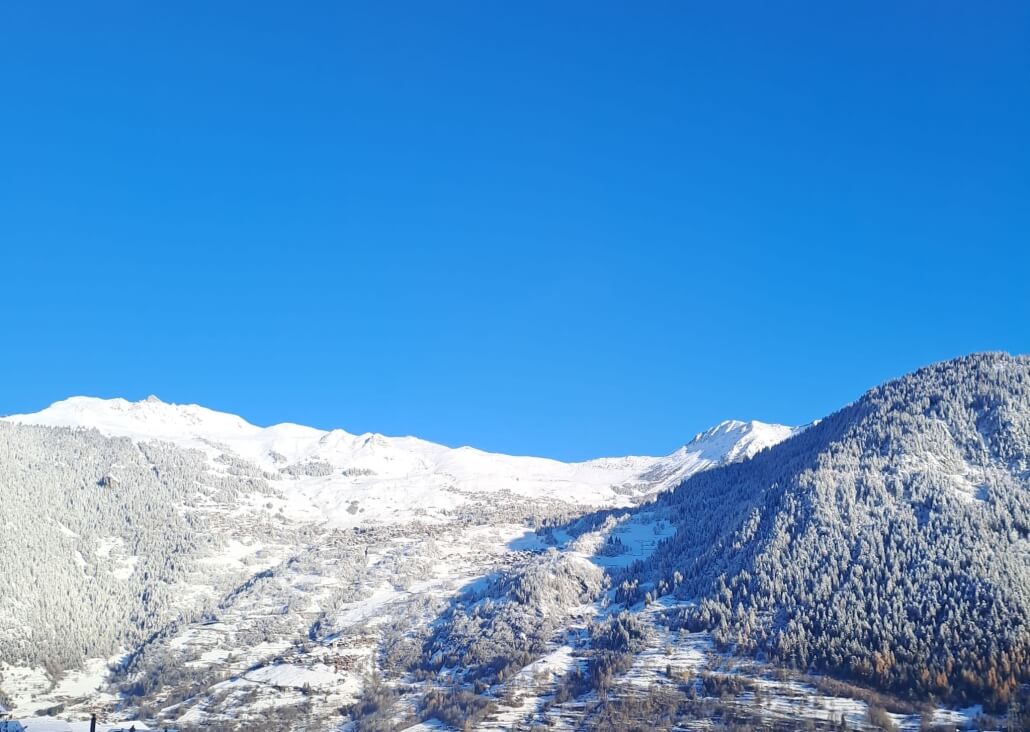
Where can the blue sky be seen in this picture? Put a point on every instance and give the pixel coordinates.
(568, 229)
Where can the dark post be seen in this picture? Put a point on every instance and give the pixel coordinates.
(93, 723)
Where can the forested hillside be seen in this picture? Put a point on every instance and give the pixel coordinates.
(100, 539)
(888, 543)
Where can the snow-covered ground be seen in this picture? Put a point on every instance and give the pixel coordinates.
(53, 724)
(34, 690)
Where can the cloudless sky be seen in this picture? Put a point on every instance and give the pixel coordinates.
(560, 228)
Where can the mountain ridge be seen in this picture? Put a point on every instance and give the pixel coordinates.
(115, 416)
(382, 472)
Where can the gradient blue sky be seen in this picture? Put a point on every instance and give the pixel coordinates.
(569, 229)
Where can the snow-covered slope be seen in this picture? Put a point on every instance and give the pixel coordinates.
(350, 479)
(729, 441)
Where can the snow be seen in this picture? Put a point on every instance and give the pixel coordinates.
(288, 675)
(640, 534)
(961, 718)
(553, 664)
(66, 531)
(41, 724)
(374, 478)
(114, 547)
(369, 607)
(234, 554)
(529, 688)
(729, 441)
(53, 724)
(733, 440)
(32, 690)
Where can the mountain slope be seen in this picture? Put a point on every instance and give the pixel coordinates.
(888, 542)
(186, 547)
(350, 479)
(93, 563)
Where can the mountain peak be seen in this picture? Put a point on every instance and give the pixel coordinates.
(733, 439)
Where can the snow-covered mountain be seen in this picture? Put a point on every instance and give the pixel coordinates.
(156, 520)
(184, 567)
(903, 514)
(349, 479)
(727, 442)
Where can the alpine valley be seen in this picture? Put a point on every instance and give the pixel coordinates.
(182, 568)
